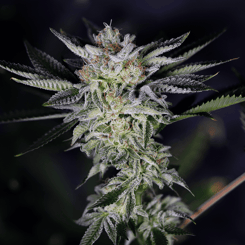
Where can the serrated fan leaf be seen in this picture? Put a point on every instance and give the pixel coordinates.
(112, 196)
(22, 70)
(131, 202)
(191, 49)
(158, 237)
(93, 171)
(90, 146)
(167, 46)
(65, 97)
(195, 67)
(50, 135)
(147, 132)
(160, 61)
(215, 104)
(88, 218)
(174, 230)
(121, 229)
(140, 211)
(110, 230)
(144, 110)
(47, 84)
(175, 213)
(181, 117)
(71, 45)
(78, 131)
(92, 29)
(96, 97)
(47, 64)
(30, 115)
(93, 232)
(132, 225)
(181, 84)
(78, 63)
(150, 160)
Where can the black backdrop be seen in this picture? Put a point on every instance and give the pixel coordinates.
(38, 202)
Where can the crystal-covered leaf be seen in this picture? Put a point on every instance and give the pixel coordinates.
(112, 196)
(147, 132)
(22, 70)
(93, 171)
(92, 29)
(131, 202)
(30, 115)
(64, 97)
(110, 230)
(78, 131)
(160, 61)
(78, 63)
(189, 50)
(93, 232)
(217, 103)
(71, 45)
(167, 46)
(49, 136)
(47, 64)
(195, 67)
(88, 218)
(47, 84)
(158, 237)
(174, 230)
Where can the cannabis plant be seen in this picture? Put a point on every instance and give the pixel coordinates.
(116, 102)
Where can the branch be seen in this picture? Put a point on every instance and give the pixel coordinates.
(215, 198)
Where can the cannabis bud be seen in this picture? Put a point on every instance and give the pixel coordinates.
(116, 102)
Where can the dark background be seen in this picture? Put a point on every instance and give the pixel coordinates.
(38, 201)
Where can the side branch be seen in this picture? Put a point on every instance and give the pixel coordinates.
(215, 198)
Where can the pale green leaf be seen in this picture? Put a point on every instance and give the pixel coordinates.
(71, 45)
(47, 84)
(110, 230)
(78, 131)
(22, 70)
(147, 132)
(49, 136)
(215, 104)
(93, 232)
(30, 115)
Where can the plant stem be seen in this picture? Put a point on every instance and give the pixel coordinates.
(215, 198)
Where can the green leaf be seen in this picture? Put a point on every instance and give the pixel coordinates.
(96, 97)
(112, 196)
(71, 44)
(132, 225)
(131, 202)
(47, 64)
(162, 61)
(22, 70)
(191, 49)
(195, 67)
(49, 136)
(30, 115)
(88, 147)
(92, 29)
(144, 110)
(78, 131)
(110, 230)
(121, 229)
(65, 97)
(176, 213)
(150, 160)
(174, 230)
(93, 171)
(215, 104)
(184, 116)
(147, 132)
(181, 84)
(158, 237)
(47, 84)
(167, 46)
(93, 232)
(88, 218)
